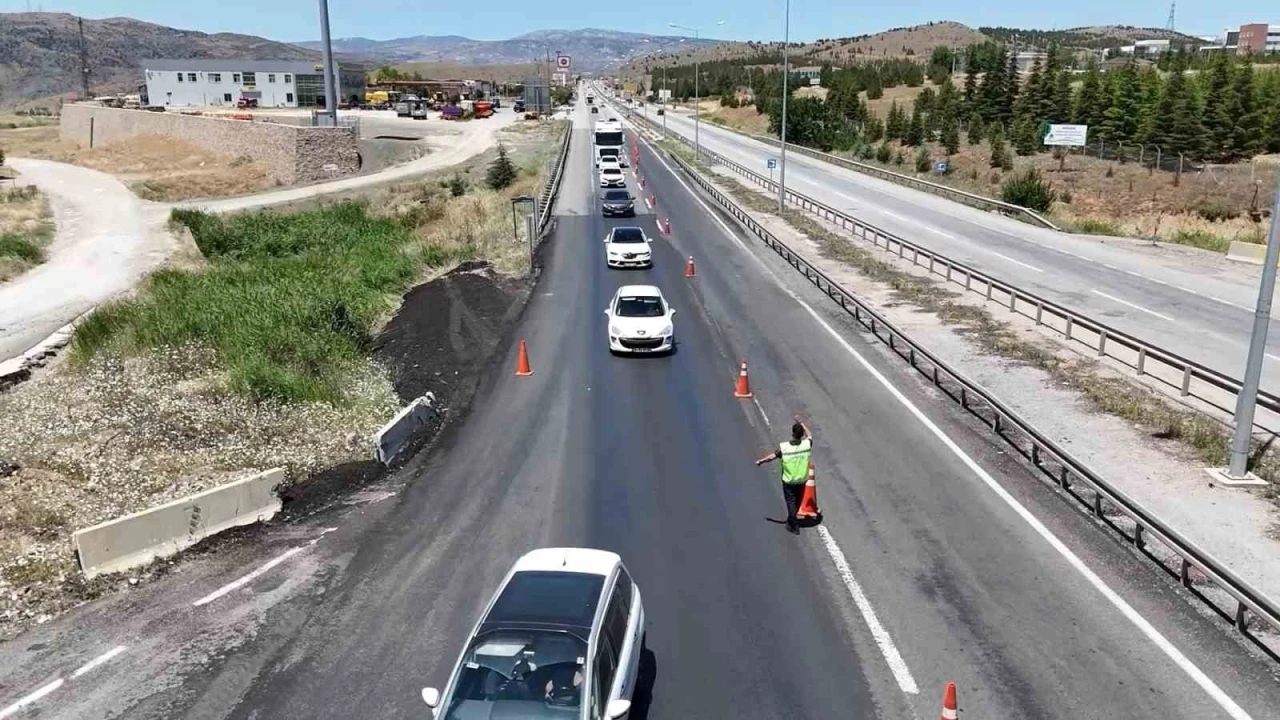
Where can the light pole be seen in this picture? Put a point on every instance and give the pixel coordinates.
(664, 101)
(786, 90)
(1248, 401)
(330, 91)
(697, 99)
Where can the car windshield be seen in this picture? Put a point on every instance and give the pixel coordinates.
(611, 171)
(617, 196)
(523, 675)
(640, 306)
(627, 235)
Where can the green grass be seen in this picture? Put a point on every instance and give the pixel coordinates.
(287, 301)
(1095, 226)
(1201, 239)
(16, 246)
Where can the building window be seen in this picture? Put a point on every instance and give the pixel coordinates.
(250, 78)
(215, 77)
(288, 97)
(179, 77)
(191, 77)
(235, 77)
(226, 97)
(288, 78)
(271, 77)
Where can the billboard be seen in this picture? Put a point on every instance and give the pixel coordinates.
(1067, 135)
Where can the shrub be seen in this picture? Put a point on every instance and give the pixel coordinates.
(1217, 213)
(457, 186)
(999, 152)
(1111, 172)
(973, 173)
(1028, 190)
(502, 172)
(922, 161)
(1201, 239)
(1095, 226)
(19, 247)
(865, 151)
(884, 153)
(1065, 196)
(1, 156)
(1006, 163)
(898, 159)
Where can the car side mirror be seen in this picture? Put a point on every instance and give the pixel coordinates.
(617, 708)
(648, 239)
(673, 312)
(431, 697)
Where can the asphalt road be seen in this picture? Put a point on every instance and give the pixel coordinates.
(1197, 312)
(924, 570)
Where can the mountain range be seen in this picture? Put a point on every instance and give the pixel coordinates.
(591, 49)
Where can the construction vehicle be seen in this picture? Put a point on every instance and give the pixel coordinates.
(483, 109)
(406, 104)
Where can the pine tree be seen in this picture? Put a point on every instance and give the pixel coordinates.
(993, 89)
(970, 79)
(1221, 111)
(1177, 126)
(502, 172)
(1120, 120)
(1151, 89)
(951, 135)
(999, 153)
(1061, 107)
(873, 129)
(915, 131)
(1012, 89)
(1033, 93)
(1247, 139)
(1090, 105)
(1026, 138)
(977, 130)
(896, 127)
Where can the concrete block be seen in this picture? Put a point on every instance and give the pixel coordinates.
(1247, 252)
(137, 539)
(393, 436)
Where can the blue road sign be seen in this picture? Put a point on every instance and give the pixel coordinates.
(771, 163)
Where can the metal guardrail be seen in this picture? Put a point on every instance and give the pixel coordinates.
(1108, 505)
(1188, 377)
(982, 202)
(546, 199)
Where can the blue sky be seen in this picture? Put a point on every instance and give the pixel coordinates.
(744, 19)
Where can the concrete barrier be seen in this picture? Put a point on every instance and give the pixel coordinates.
(1247, 252)
(137, 539)
(393, 436)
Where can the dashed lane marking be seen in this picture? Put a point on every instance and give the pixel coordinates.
(31, 699)
(1015, 262)
(1113, 298)
(1141, 623)
(245, 580)
(99, 661)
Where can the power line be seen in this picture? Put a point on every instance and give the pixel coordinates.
(1173, 6)
(84, 63)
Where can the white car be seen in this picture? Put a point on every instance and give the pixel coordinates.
(561, 638)
(626, 247)
(640, 321)
(607, 163)
(612, 177)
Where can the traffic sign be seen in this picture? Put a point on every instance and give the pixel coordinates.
(771, 163)
(940, 167)
(564, 62)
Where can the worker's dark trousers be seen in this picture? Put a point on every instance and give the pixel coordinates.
(792, 494)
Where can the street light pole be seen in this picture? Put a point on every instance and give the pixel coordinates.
(1247, 404)
(664, 101)
(330, 91)
(786, 90)
(697, 104)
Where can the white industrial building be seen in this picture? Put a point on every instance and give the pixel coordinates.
(272, 83)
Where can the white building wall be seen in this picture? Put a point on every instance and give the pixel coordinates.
(217, 88)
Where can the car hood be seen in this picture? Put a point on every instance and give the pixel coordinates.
(633, 248)
(641, 327)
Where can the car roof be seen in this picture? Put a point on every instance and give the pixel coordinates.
(569, 559)
(639, 290)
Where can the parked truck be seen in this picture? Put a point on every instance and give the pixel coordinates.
(483, 109)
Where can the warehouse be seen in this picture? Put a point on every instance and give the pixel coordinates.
(269, 83)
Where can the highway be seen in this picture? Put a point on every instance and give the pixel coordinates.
(940, 558)
(1204, 313)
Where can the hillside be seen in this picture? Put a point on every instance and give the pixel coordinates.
(591, 49)
(1093, 37)
(918, 41)
(39, 52)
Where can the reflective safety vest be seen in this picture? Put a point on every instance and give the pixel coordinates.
(795, 461)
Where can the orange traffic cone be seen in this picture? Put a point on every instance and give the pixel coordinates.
(949, 709)
(689, 269)
(522, 364)
(809, 502)
(743, 390)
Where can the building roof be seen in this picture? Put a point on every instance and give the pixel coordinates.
(296, 67)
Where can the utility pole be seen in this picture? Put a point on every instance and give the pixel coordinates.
(330, 89)
(786, 90)
(84, 63)
(1247, 403)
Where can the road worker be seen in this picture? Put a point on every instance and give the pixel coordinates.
(795, 455)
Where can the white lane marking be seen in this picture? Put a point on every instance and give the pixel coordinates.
(32, 698)
(760, 407)
(1015, 262)
(1113, 298)
(241, 582)
(1273, 357)
(897, 665)
(101, 659)
(1228, 302)
(1142, 624)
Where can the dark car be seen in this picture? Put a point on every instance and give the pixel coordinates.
(595, 109)
(616, 203)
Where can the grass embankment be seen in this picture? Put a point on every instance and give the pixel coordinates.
(25, 230)
(290, 303)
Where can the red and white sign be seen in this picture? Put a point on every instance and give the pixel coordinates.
(564, 62)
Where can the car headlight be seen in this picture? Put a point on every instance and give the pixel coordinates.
(668, 331)
(615, 330)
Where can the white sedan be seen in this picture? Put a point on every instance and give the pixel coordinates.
(640, 321)
(626, 247)
(561, 638)
(612, 177)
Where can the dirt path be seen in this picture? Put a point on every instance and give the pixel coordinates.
(106, 240)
